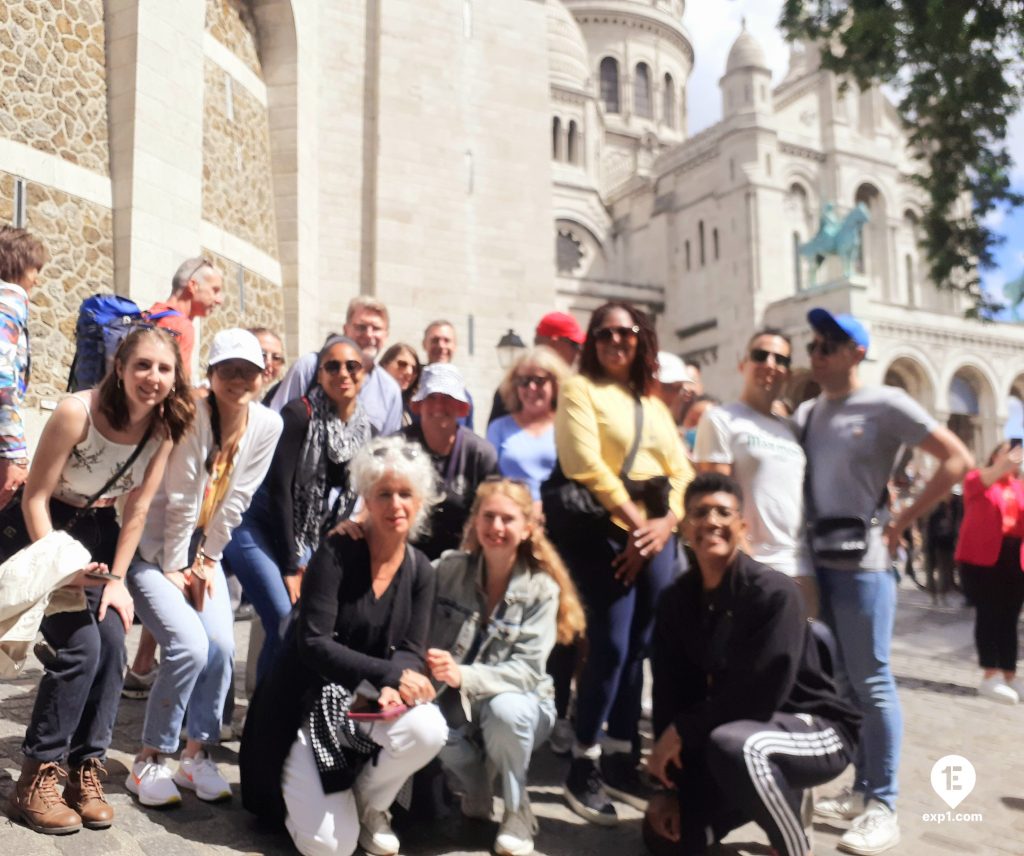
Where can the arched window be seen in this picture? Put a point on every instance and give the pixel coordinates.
(572, 146)
(798, 275)
(908, 261)
(642, 91)
(610, 84)
(714, 242)
(871, 259)
(668, 102)
(556, 138)
(700, 242)
(687, 247)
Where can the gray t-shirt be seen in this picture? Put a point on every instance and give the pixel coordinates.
(768, 463)
(851, 445)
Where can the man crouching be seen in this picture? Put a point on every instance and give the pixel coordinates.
(745, 716)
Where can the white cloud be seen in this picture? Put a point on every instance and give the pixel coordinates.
(995, 218)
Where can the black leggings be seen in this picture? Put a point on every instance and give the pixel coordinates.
(998, 594)
(755, 771)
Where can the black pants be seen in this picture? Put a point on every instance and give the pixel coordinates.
(755, 771)
(998, 594)
(76, 703)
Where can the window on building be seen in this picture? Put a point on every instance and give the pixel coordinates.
(908, 261)
(556, 138)
(572, 143)
(714, 242)
(798, 271)
(610, 84)
(700, 242)
(642, 91)
(687, 250)
(668, 102)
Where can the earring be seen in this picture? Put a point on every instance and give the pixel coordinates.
(120, 383)
(172, 390)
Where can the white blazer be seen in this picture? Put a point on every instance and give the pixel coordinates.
(174, 511)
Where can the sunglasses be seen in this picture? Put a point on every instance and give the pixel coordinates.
(526, 381)
(605, 334)
(760, 355)
(231, 369)
(704, 512)
(410, 451)
(825, 347)
(269, 357)
(333, 367)
(203, 262)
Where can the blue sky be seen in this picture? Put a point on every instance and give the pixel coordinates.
(714, 25)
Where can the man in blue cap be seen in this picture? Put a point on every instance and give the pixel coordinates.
(852, 435)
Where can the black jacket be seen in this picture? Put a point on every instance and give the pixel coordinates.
(742, 651)
(315, 652)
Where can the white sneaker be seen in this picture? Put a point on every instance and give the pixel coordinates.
(515, 835)
(846, 805)
(201, 775)
(875, 831)
(562, 737)
(997, 689)
(151, 781)
(376, 836)
(1017, 685)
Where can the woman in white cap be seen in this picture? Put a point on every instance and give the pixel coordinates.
(461, 458)
(179, 588)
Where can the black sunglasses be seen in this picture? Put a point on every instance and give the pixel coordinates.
(605, 334)
(526, 381)
(760, 355)
(333, 367)
(825, 347)
(410, 451)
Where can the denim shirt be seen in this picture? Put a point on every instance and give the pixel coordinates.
(512, 652)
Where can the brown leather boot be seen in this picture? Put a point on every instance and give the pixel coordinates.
(39, 802)
(84, 793)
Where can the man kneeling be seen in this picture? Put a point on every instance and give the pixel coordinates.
(744, 714)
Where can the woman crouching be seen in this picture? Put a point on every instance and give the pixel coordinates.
(363, 616)
(501, 604)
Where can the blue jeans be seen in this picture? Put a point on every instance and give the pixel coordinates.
(197, 649)
(505, 730)
(860, 607)
(250, 556)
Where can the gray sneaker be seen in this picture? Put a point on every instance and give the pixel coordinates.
(515, 835)
(846, 805)
(137, 686)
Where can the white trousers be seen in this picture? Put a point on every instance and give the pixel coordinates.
(328, 824)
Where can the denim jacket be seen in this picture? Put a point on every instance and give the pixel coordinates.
(513, 650)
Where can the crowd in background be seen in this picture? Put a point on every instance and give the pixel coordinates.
(439, 598)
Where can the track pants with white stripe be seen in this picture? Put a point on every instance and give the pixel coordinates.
(758, 771)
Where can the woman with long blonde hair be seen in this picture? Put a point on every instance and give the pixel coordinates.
(502, 601)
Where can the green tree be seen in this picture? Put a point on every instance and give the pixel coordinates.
(956, 68)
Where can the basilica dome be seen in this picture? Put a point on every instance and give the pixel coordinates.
(568, 61)
(746, 53)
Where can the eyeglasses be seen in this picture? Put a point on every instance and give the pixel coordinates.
(825, 347)
(410, 451)
(722, 512)
(269, 357)
(231, 369)
(760, 355)
(333, 367)
(526, 381)
(203, 262)
(605, 334)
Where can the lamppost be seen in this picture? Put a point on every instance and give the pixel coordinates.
(508, 346)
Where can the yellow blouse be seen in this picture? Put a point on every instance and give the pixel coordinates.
(594, 429)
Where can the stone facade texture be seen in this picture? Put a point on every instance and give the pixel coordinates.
(231, 23)
(52, 62)
(238, 185)
(263, 304)
(79, 238)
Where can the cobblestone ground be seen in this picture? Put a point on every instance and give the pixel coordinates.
(934, 663)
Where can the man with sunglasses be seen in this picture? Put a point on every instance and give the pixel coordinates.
(852, 435)
(761, 451)
(197, 288)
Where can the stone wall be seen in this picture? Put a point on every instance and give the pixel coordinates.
(79, 238)
(231, 23)
(264, 305)
(238, 190)
(52, 66)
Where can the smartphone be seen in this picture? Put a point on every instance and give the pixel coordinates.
(101, 575)
(1015, 442)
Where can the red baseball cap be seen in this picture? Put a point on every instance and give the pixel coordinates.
(559, 325)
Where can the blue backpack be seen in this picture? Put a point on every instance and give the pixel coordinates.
(103, 321)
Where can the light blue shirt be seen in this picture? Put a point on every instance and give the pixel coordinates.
(381, 396)
(522, 455)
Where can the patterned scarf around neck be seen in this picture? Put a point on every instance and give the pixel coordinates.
(326, 438)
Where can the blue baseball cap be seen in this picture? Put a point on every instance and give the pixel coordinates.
(839, 327)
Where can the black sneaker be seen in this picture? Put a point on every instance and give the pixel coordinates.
(585, 793)
(624, 781)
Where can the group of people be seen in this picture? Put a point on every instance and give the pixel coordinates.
(426, 591)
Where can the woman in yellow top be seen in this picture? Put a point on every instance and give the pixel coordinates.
(621, 570)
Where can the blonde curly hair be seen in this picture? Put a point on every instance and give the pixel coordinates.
(540, 357)
(537, 552)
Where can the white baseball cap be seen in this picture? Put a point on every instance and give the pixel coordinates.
(671, 369)
(236, 344)
(441, 379)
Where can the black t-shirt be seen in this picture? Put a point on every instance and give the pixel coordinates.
(471, 461)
